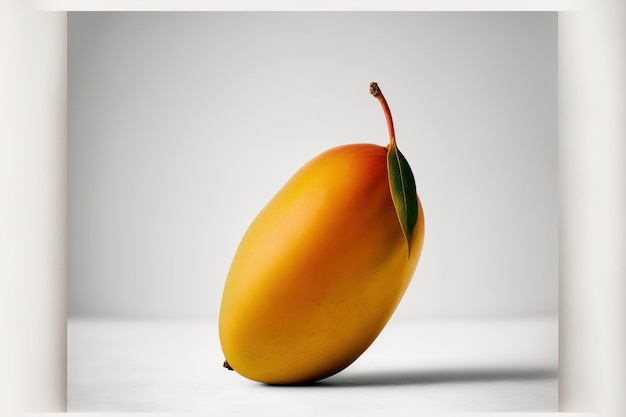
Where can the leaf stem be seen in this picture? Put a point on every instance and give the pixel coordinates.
(375, 91)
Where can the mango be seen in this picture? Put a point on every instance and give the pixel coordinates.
(322, 268)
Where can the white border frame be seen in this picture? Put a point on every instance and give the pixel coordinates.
(592, 333)
(309, 5)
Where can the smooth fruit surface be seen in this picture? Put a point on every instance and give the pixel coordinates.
(319, 271)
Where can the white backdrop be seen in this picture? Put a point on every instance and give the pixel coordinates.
(183, 125)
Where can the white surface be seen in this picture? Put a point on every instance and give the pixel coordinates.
(437, 365)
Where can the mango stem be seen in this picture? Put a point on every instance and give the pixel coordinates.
(375, 91)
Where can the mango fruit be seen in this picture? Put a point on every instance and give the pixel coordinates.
(323, 266)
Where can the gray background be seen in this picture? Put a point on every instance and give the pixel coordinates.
(183, 125)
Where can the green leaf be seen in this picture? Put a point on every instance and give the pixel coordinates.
(403, 191)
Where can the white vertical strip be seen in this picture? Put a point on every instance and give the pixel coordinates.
(11, 241)
(592, 164)
(46, 212)
(575, 308)
(33, 209)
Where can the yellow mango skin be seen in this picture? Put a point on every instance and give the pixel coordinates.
(319, 272)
